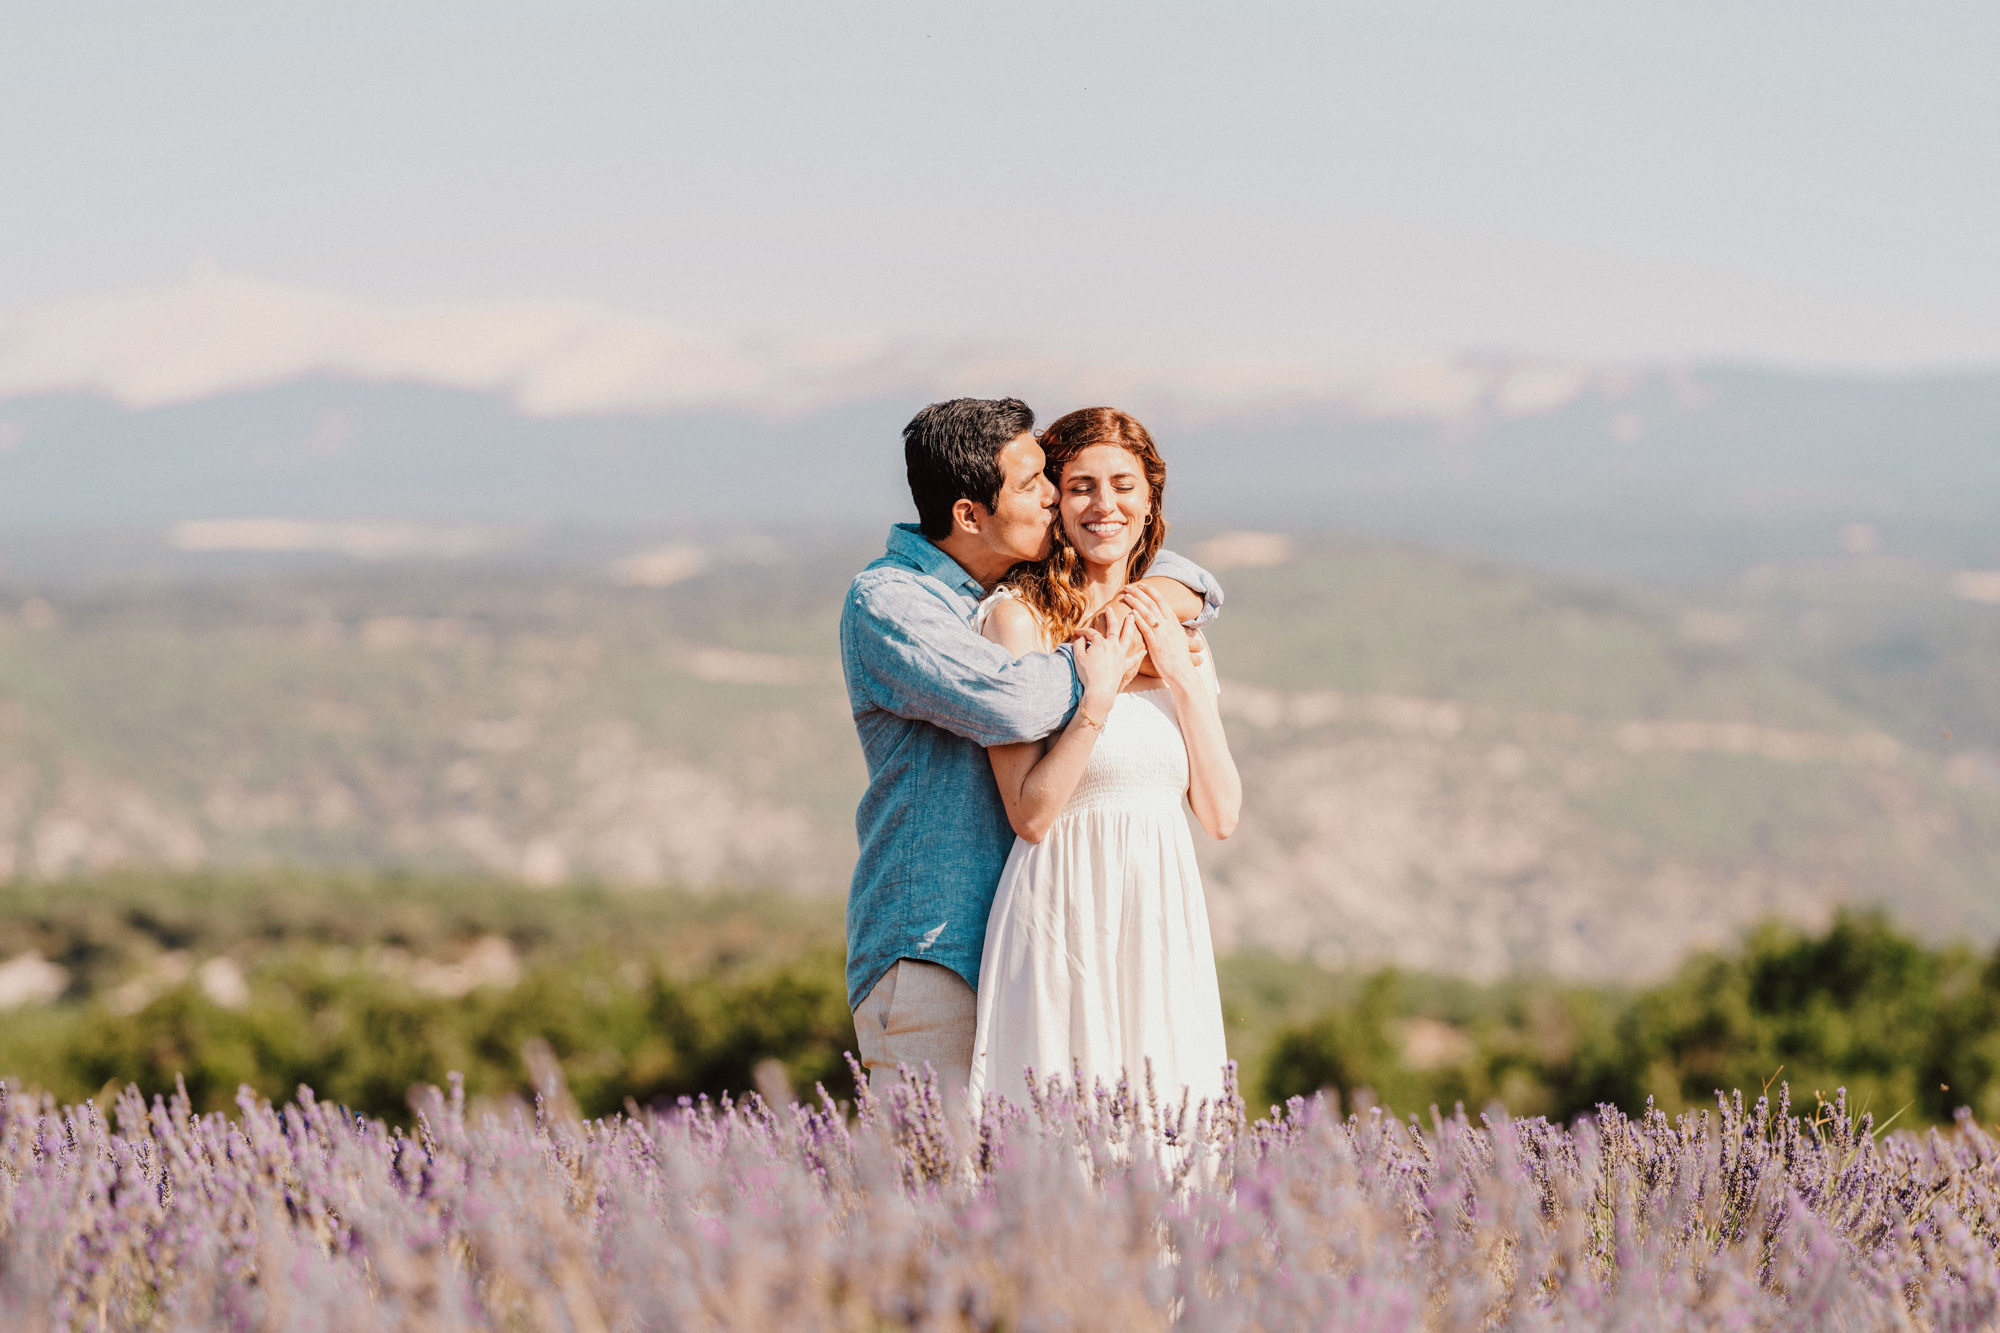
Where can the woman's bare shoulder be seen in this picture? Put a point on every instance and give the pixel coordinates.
(1015, 626)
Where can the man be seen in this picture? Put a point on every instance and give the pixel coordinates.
(929, 694)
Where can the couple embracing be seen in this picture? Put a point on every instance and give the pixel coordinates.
(1036, 710)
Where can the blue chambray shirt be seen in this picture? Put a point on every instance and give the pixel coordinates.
(929, 694)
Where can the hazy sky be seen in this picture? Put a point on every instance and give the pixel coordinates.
(1802, 183)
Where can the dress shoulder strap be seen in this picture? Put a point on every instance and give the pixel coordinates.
(984, 611)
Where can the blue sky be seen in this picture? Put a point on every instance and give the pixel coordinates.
(1799, 184)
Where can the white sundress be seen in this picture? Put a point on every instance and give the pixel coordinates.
(1098, 953)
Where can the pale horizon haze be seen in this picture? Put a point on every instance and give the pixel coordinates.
(1805, 186)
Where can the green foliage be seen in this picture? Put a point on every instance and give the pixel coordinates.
(654, 995)
(1855, 1007)
(1538, 1048)
(1897, 1024)
(365, 1042)
(1347, 1048)
(640, 996)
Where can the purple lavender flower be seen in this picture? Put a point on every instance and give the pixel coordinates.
(1094, 1206)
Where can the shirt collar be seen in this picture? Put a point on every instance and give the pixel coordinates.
(909, 545)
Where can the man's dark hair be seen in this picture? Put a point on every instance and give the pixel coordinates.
(952, 451)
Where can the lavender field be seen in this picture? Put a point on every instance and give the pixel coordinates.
(1091, 1210)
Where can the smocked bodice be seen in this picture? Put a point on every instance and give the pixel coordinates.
(1139, 763)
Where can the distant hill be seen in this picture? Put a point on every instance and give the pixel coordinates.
(1467, 768)
(1661, 472)
(1451, 764)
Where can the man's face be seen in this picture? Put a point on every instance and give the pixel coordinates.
(1022, 514)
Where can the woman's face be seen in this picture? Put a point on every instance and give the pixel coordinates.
(1104, 502)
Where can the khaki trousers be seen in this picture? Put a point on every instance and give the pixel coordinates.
(919, 1013)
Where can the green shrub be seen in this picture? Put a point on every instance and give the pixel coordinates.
(1906, 1029)
(651, 996)
(364, 1042)
(644, 997)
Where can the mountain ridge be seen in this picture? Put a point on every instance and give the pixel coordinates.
(1705, 471)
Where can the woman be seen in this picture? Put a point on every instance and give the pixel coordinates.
(1097, 950)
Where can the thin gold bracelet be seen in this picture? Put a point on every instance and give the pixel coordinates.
(1088, 720)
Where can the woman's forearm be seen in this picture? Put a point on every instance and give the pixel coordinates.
(1040, 791)
(1051, 783)
(1215, 789)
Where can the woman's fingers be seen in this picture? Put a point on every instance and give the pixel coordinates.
(1132, 645)
(1147, 605)
(1165, 640)
(1139, 599)
(1149, 613)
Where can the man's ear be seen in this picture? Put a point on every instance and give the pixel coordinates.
(967, 515)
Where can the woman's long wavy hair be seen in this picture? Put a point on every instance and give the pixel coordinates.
(1055, 586)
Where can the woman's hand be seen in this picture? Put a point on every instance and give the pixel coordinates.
(1166, 642)
(1117, 623)
(1100, 665)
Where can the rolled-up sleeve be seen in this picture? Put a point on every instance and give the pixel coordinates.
(916, 658)
(1182, 570)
